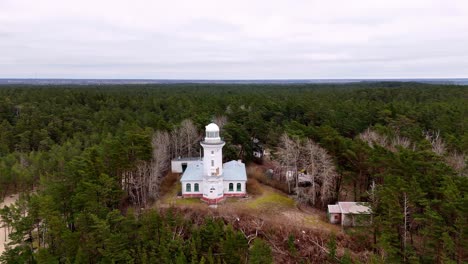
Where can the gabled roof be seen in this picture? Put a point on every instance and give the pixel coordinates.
(234, 171)
(334, 209)
(354, 208)
(194, 172)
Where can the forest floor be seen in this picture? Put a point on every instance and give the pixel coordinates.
(268, 204)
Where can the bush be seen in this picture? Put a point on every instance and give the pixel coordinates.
(253, 187)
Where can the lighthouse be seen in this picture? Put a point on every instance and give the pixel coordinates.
(208, 177)
(212, 164)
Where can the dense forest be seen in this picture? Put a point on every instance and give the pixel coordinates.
(70, 149)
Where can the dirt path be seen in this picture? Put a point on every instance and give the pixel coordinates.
(3, 230)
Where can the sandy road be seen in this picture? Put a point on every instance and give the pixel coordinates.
(3, 230)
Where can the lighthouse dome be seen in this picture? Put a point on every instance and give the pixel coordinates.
(212, 127)
(212, 133)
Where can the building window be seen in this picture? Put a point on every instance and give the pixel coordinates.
(188, 188)
(196, 188)
(212, 152)
(212, 163)
(231, 187)
(238, 187)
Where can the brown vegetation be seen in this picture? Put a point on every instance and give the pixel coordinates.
(311, 245)
(253, 187)
(168, 183)
(257, 173)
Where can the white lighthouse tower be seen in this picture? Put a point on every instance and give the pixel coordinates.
(212, 151)
(212, 163)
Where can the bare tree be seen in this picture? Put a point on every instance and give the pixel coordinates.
(405, 222)
(176, 143)
(160, 161)
(458, 162)
(401, 141)
(184, 139)
(373, 138)
(142, 183)
(289, 154)
(454, 159)
(321, 169)
(191, 136)
(437, 143)
(220, 120)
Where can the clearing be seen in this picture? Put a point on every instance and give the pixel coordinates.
(269, 204)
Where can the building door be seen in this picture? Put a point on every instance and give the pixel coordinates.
(184, 166)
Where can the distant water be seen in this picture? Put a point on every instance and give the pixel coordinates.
(456, 81)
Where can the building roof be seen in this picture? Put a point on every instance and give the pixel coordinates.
(334, 209)
(193, 172)
(354, 208)
(234, 171)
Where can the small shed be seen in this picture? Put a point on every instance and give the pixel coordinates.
(350, 213)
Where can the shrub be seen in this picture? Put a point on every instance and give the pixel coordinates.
(253, 187)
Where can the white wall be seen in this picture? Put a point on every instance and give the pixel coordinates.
(192, 183)
(226, 186)
(212, 153)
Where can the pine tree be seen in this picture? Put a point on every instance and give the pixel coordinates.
(260, 252)
(210, 257)
(193, 252)
(332, 248)
(202, 260)
(181, 259)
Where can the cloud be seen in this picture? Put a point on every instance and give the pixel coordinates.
(233, 39)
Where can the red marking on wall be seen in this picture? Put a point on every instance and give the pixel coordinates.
(192, 195)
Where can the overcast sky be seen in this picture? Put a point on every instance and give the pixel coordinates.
(197, 39)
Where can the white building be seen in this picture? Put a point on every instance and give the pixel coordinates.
(208, 177)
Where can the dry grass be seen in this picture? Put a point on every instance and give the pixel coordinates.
(168, 183)
(271, 200)
(169, 192)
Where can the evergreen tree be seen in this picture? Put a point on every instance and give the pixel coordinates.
(260, 252)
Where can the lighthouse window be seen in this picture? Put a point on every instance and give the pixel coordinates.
(188, 187)
(231, 187)
(238, 187)
(212, 152)
(212, 134)
(212, 163)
